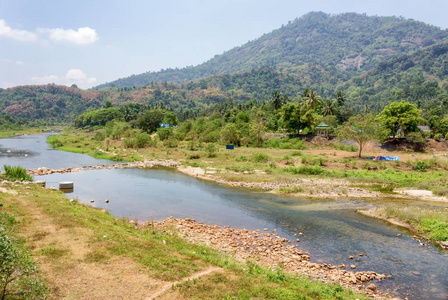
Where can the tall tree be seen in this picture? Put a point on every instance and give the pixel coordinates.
(401, 115)
(361, 129)
(311, 99)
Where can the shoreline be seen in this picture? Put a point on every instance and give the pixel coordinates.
(272, 251)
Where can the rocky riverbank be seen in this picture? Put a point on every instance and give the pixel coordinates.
(268, 249)
(137, 164)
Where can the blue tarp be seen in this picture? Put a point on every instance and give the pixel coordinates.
(383, 157)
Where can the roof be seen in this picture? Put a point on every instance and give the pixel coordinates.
(424, 128)
(322, 125)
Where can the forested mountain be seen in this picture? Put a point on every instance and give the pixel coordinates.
(420, 77)
(52, 103)
(342, 45)
(371, 60)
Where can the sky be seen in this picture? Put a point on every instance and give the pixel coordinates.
(89, 42)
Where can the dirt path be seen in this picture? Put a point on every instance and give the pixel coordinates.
(66, 258)
(168, 286)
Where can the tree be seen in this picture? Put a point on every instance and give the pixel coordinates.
(329, 107)
(296, 117)
(311, 99)
(361, 129)
(230, 134)
(149, 121)
(258, 127)
(278, 100)
(340, 98)
(400, 115)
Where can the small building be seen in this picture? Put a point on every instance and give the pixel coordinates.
(323, 129)
(424, 129)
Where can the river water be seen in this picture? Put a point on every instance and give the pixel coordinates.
(332, 229)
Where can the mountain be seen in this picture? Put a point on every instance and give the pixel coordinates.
(52, 103)
(420, 77)
(346, 44)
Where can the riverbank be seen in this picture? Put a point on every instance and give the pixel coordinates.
(313, 187)
(85, 253)
(270, 250)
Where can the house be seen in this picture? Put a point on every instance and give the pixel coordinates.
(424, 129)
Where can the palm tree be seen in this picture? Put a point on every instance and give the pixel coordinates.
(311, 99)
(329, 107)
(278, 100)
(340, 98)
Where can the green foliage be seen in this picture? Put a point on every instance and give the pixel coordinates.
(420, 166)
(164, 133)
(140, 140)
(16, 174)
(150, 120)
(230, 134)
(305, 170)
(361, 129)
(401, 115)
(285, 143)
(98, 117)
(54, 141)
(438, 230)
(18, 274)
(211, 150)
(259, 157)
(171, 142)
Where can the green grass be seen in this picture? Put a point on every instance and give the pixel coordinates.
(431, 222)
(166, 255)
(254, 282)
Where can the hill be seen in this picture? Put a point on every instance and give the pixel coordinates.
(343, 44)
(52, 103)
(420, 77)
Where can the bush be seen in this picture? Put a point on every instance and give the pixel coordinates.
(259, 157)
(285, 143)
(18, 273)
(193, 156)
(16, 173)
(171, 143)
(164, 133)
(241, 158)
(54, 141)
(305, 170)
(437, 228)
(211, 150)
(420, 166)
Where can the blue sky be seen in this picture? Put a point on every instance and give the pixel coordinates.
(92, 42)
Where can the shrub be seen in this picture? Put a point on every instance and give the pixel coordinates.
(259, 157)
(16, 173)
(211, 150)
(241, 158)
(420, 166)
(437, 228)
(99, 136)
(306, 170)
(171, 143)
(54, 141)
(164, 133)
(193, 156)
(18, 273)
(296, 153)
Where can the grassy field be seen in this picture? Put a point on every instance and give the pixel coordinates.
(332, 162)
(86, 253)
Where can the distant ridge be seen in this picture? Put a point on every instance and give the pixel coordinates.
(349, 43)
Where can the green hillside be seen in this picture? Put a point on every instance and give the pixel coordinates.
(346, 43)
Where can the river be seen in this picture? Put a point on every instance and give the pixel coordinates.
(332, 229)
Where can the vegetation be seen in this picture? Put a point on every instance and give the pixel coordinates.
(158, 253)
(19, 276)
(16, 174)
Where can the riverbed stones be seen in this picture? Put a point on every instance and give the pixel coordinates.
(265, 248)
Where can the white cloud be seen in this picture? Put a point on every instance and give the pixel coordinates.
(73, 76)
(82, 36)
(16, 34)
